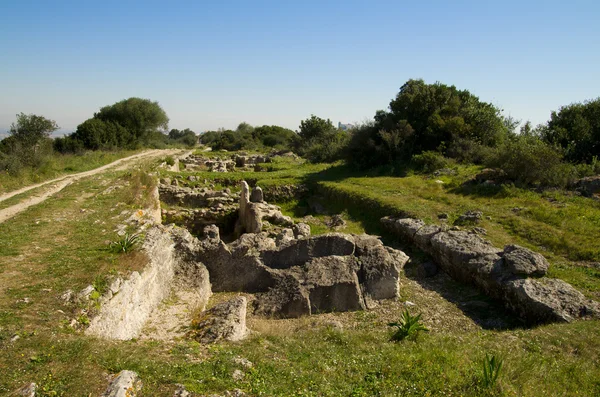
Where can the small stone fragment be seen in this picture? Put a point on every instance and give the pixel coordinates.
(125, 384)
(238, 375)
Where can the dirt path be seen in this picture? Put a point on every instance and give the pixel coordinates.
(60, 183)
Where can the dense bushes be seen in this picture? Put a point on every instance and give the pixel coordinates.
(527, 160)
(319, 141)
(576, 129)
(246, 137)
(427, 117)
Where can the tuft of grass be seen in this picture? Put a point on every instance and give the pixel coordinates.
(492, 366)
(408, 327)
(126, 244)
(169, 160)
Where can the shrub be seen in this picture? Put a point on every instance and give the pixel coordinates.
(169, 160)
(327, 148)
(430, 161)
(528, 160)
(408, 327)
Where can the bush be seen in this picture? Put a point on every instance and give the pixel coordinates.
(10, 164)
(528, 160)
(327, 148)
(576, 129)
(430, 161)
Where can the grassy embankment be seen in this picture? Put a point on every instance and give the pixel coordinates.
(56, 245)
(58, 165)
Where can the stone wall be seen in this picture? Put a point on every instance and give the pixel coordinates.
(513, 275)
(125, 313)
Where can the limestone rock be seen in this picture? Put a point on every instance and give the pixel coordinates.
(287, 298)
(225, 321)
(524, 262)
(298, 252)
(379, 272)
(301, 230)
(284, 236)
(26, 391)
(502, 275)
(333, 284)
(181, 392)
(549, 300)
(336, 222)
(125, 384)
(257, 195)
(469, 217)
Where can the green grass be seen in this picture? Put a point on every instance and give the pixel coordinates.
(58, 165)
(56, 245)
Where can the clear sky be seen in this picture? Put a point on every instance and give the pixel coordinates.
(213, 64)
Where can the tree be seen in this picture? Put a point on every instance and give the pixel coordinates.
(141, 117)
(314, 128)
(186, 137)
(441, 114)
(95, 134)
(31, 129)
(29, 137)
(274, 136)
(576, 129)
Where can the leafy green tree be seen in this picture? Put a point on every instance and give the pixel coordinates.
(576, 129)
(315, 128)
(141, 117)
(441, 114)
(274, 136)
(319, 141)
(428, 117)
(95, 134)
(29, 138)
(186, 137)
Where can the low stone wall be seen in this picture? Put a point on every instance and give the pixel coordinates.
(513, 275)
(125, 313)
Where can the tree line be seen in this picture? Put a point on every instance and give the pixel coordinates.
(426, 127)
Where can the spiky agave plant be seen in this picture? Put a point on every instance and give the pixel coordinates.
(408, 326)
(125, 244)
(491, 369)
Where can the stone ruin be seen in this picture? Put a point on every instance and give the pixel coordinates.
(196, 162)
(513, 275)
(285, 271)
(236, 242)
(292, 273)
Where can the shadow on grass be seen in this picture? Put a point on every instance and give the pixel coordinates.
(484, 311)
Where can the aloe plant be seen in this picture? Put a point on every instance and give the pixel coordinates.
(125, 244)
(408, 326)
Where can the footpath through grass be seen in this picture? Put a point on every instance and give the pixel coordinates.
(58, 165)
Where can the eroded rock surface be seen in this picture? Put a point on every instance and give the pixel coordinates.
(225, 321)
(513, 275)
(125, 384)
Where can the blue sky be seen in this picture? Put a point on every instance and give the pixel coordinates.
(215, 64)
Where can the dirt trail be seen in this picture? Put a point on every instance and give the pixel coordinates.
(60, 183)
